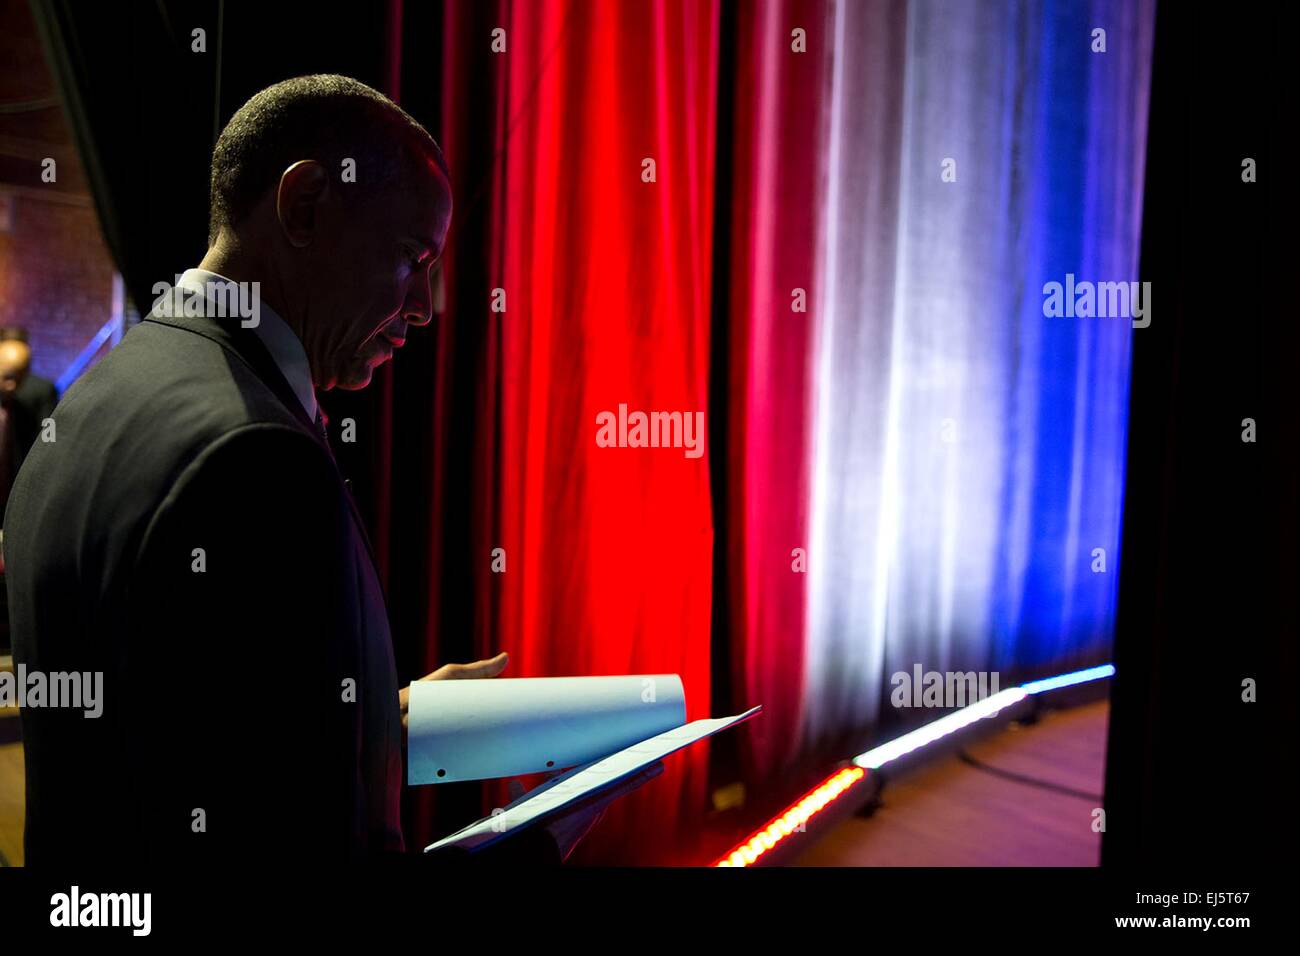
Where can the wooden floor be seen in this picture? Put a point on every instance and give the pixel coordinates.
(11, 804)
(950, 813)
(12, 779)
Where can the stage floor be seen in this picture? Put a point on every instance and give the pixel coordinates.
(950, 813)
(11, 803)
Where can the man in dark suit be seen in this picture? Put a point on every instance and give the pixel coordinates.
(188, 533)
(26, 401)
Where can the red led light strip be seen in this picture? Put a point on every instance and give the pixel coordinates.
(789, 822)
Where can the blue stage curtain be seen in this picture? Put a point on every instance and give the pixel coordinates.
(968, 462)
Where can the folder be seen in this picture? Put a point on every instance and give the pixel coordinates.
(604, 729)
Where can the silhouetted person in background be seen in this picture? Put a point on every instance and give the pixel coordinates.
(26, 400)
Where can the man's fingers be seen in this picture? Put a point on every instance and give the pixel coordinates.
(635, 781)
(475, 671)
(606, 797)
(479, 669)
(643, 776)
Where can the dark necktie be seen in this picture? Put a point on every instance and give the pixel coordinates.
(323, 432)
(325, 440)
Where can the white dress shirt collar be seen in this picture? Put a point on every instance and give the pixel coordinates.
(289, 355)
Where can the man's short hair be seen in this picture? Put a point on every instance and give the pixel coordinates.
(322, 117)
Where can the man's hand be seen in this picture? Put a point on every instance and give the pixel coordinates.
(479, 669)
(569, 828)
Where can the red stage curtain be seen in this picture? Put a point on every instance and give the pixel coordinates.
(606, 282)
(775, 208)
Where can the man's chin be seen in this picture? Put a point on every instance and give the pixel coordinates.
(355, 376)
(358, 372)
(361, 371)
(355, 381)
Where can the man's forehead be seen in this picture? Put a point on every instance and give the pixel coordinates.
(426, 208)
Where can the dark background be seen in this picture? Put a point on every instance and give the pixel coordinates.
(1209, 576)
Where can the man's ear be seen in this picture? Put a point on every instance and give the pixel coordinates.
(303, 187)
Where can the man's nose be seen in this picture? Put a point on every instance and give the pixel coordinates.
(418, 309)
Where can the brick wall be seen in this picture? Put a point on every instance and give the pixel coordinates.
(56, 279)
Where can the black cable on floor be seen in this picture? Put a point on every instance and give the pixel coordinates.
(1028, 781)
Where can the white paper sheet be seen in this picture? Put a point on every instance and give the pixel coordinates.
(582, 782)
(504, 727)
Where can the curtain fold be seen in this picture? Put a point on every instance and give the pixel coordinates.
(775, 179)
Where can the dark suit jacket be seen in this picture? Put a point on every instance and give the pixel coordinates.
(250, 701)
